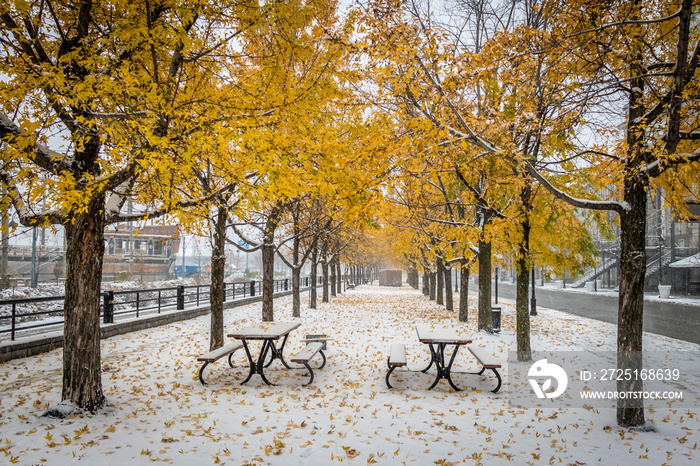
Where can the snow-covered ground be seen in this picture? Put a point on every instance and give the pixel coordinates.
(159, 412)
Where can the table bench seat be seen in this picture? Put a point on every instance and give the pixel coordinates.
(397, 358)
(213, 356)
(487, 361)
(306, 354)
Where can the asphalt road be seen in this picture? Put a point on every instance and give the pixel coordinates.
(672, 319)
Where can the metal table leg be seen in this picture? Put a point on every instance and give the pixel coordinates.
(278, 353)
(443, 371)
(258, 367)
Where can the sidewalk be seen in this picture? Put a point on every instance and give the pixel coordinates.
(159, 412)
(673, 317)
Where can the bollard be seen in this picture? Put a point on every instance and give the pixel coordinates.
(252, 288)
(286, 284)
(108, 314)
(180, 297)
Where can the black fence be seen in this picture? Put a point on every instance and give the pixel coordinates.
(25, 314)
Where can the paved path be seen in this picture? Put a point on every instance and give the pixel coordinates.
(669, 318)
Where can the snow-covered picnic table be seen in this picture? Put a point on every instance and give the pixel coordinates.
(437, 339)
(268, 332)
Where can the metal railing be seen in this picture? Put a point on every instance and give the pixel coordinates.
(23, 314)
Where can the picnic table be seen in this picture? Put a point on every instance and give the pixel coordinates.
(268, 332)
(437, 340)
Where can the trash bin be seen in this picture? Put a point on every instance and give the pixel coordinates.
(496, 318)
(321, 338)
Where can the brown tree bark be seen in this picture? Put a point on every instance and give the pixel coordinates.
(522, 304)
(485, 322)
(631, 302)
(296, 292)
(82, 380)
(218, 264)
(333, 281)
(4, 246)
(268, 264)
(296, 276)
(433, 285)
(440, 276)
(324, 269)
(449, 298)
(268, 282)
(464, 293)
(339, 275)
(313, 279)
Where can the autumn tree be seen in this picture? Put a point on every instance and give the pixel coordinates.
(95, 107)
(637, 63)
(634, 62)
(485, 108)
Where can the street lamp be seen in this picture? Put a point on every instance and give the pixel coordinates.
(533, 300)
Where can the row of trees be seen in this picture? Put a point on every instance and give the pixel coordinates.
(496, 131)
(227, 114)
(530, 119)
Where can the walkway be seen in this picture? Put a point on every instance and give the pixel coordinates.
(159, 412)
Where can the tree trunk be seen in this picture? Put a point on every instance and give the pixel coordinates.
(4, 276)
(268, 282)
(449, 301)
(522, 304)
(296, 291)
(464, 293)
(313, 279)
(296, 274)
(333, 278)
(216, 295)
(339, 274)
(324, 269)
(631, 303)
(426, 282)
(82, 378)
(433, 286)
(440, 298)
(485, 322)
(413, 277)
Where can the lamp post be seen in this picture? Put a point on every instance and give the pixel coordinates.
(495, 286)
(533, 300)
(33, 277)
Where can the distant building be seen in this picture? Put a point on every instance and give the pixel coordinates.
(147, 252)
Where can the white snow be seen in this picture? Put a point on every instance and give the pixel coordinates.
(159, 412)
